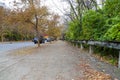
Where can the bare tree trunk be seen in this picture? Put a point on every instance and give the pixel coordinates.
(73, 9)
(36, 28)
(2, 37)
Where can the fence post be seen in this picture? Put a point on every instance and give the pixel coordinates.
(81, 46)
(90, 49)
(119, 60)
(73, 44)
(76, 44)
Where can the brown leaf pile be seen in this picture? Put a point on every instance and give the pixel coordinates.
(91, 74)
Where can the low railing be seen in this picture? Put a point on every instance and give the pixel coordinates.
(91, 43)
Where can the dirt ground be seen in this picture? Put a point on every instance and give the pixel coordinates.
(52, 61)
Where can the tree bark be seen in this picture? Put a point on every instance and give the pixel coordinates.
(2, 37)
(73, 9)
(36, 28)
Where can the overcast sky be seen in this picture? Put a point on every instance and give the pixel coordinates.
(54, 5)
(57, 6)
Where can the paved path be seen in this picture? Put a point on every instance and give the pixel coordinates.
(50, 62)
(6, 46)
(55, 61)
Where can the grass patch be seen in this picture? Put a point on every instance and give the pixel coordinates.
(24, 51)
(107, 55)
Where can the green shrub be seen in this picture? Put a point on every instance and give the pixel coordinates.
(113, 33)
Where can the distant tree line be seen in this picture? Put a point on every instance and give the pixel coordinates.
(29, 20)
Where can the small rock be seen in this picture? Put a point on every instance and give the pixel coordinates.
(103, 70)
(115, 79)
